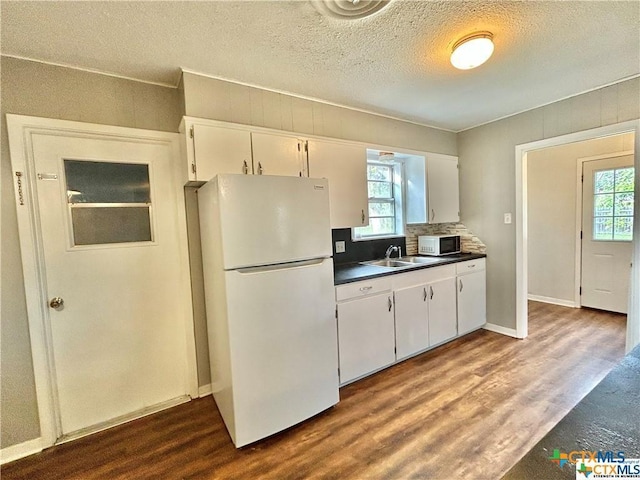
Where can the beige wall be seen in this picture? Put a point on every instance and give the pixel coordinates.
(487, 176)
(30, 88)
(551, 197)
(218, 100)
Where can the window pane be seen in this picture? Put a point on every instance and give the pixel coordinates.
(603, 228)
(380, 209)
(623, 228)
(106, 182)
(380, 190)
(624, 179)
(604, 181)
(381, 226)
(624, 204)
(603, 205)
(94, 225)
(379, 172)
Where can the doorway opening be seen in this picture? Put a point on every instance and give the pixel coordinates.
(527, 153)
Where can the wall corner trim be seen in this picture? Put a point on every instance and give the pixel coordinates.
(20, 450)
(204, 390)
(492, 327)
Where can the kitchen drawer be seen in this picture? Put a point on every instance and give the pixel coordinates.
(470, 266)
(363, 288)
(422, 276)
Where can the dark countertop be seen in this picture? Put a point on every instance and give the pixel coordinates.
(354, 272)
(607, 419)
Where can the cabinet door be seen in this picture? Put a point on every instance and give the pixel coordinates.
(345, 166)
(278, 155)
(442, 311)
(443, 189)
(412, 321)
(365, 336)
(472, 298)
(220, 150)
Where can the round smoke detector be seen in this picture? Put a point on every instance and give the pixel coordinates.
(349, 9)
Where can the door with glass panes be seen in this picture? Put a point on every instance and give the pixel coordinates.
(112, 261)
(607, 232)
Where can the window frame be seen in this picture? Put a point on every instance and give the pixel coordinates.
(398, 186)
(613, 193)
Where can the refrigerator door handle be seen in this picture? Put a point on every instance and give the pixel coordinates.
(282, 266)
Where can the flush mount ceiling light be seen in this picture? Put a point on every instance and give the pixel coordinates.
(472, 50)
(349, 9)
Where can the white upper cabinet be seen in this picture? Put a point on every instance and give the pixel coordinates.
(433, 191)
(275, 154)
(345, 166)
(212, 150)
(212, 147)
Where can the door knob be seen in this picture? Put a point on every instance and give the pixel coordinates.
(56, 302)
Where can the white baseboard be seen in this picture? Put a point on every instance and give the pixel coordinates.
(204, 390)
(492, 327)
(15, 452)
(554, 301)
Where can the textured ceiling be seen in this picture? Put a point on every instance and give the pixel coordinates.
(395, 62)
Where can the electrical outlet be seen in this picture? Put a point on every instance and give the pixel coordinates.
(340, 247)
(507, 218)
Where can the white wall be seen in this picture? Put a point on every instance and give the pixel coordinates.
(487, 176)
(551, 189)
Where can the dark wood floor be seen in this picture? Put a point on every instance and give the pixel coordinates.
(469, 409)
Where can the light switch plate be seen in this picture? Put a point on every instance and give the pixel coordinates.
(507, 218)
(340, 247)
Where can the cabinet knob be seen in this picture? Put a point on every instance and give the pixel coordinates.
(433, 214)
(260, 170)
(461, 285)
(245, 167)
(430, 292)
(390, 303)
(363, 217)
(424, 296)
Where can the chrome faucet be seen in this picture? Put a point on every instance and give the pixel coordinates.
(391, 249)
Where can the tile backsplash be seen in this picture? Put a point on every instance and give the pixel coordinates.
(469, 243)
(374, 249)
(362, 250)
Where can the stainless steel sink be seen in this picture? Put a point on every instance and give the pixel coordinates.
(390, 263)
(419, 260)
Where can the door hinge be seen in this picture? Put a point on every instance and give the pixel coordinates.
(306, 146)
(20, 193)
(580, 234)
(299, 149)
(580, 291)
(582, 178)
(191, 131)
(336, 312)
(193, 167)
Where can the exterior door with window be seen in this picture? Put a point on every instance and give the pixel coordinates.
(112, 279)
(607, 232)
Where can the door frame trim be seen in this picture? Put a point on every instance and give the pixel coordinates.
(633, 322)
(20, 130)
(579, 188)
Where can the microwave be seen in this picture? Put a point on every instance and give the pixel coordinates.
(438, 244)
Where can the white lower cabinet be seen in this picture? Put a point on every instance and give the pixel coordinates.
(412, 320)
(472, 295)
(442, 311)
(366, 340)
(388, 319)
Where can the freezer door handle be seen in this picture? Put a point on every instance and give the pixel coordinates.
(281, 266)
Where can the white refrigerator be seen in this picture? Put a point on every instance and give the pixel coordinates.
(270, 303)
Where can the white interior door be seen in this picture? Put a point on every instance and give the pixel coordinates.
(607, 230)
(112, 268)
